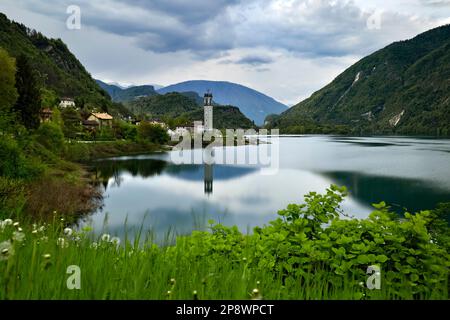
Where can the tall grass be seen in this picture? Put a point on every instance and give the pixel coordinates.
(34, 261)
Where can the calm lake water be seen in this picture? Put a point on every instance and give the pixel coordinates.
(410, 173)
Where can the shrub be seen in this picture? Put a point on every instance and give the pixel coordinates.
(105, 134)
(12, 161)
(126, 131)
(77, 152)
(12, 198)
(310, 238)
(71, 119)
(152, 133)
(51, 136)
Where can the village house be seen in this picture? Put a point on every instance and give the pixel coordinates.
(90, 125)
(154, 122)
(158, 122)
(180, 131)
(67, 102)
(198, 127)
(103, 119)
(46, 114)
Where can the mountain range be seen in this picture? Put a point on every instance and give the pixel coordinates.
(119, 94)
(255, 105)
(401, 89)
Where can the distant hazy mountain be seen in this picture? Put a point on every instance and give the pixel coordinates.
(403, 88)
(157, 86)
(121, 86)
(119, 94)
(255, 105)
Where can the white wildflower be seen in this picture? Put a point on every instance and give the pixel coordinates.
(18, 236)
(6, 250)
(68, 232)
(115, 241)
(44, 238)
(106, 237)
(256, 295)
(34, 232)
(94, 245)
(47, 256)
(62, 243)
(19, 229)
(5, 223)
(41, 229)
(15, 224)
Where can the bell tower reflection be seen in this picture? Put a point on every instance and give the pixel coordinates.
(208, 178)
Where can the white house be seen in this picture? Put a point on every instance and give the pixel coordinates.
(67, 102)
(181, 131)
(198, 127)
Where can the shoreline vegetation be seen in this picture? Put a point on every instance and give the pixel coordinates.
(293, 257)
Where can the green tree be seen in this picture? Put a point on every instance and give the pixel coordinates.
(8, 91)
(152, 133)
(71, 120)
(28, 104)
(51, 136)
(57, 118)
(124, 130)
(49, 98)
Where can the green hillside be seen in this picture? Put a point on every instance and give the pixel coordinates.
(58, 69)
(224, 117)
(184, 108)
(169, 105)
(401, 89)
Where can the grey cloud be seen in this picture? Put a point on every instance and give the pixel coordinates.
(208, 28)
(436, 3)
(192, 12)
(200, 26)
(255, 60)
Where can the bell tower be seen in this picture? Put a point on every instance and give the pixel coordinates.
(208, 111)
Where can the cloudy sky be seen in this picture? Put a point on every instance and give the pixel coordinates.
(285, 48)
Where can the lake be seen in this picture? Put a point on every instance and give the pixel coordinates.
(163, 196)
